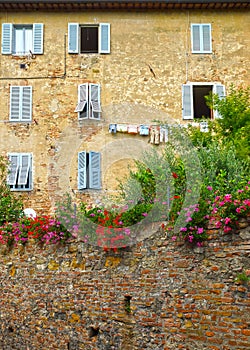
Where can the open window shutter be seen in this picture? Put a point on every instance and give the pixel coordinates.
(95, 103)
(38, 38)
(104, 38)
(24, 169)
(13, 169)
(6, 38)
(82, 167)
(82, 101)
(15, 95)
(73, 36)
(187, 101)
(221, 92)
(195, 35)
(94, 170)
(206, 37)
(26, 103)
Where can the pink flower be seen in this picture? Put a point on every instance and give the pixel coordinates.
(240, 191)
(227, 229)
(188, 219)
(228, 197)
(199, 244)
(209, 188)
(218, 224)
(174, 238)
(183, 229)
(190, 238)
(238, 210)
(247, 202)
(227, 220)
(221, 203)
(144, 214)
(200, 230)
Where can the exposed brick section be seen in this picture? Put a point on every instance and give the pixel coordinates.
(73, 297)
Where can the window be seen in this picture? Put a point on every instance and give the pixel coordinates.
(89, 170)
(89, 105)
(194, 103)
(20, 171)
(89, 38)
(201, 38)
(22, 39)
(20, 103)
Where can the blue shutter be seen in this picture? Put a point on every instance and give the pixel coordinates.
(195, 38)
(6, 38)
(104, 38)
(38, 38)
(82, 174)
(206, 38)
(73, 37)
(221, 92)
(26, 103)
(24, 169)
(15, 95)
(13, 168)
(94, 170)
(187, 101)
(95, 101)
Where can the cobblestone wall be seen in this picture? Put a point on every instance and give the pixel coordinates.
(159, 295)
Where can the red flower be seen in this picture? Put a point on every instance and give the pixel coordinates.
(175, 176)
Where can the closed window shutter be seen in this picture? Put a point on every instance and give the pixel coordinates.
(38, 38)
(82, 106)
(26, 103)
(221, 92)
(82, 173)
(15, 93)
(206, 36)
(187, 101)
(73, 36)
(196, 42)
(94, 170)
(13, 169)
(95, 103)
(104, 38)
(7, 38)
(24, 169)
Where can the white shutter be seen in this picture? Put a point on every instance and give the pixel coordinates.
(37, 38)
(94, 170)
(206, 38)
(24, 169)
(82, 167)
(73, 37)
(95, 103)
(13, 169)
(187, 101)
(195, 38)
(82, 106)
(221, 92)
(7, 38)
(104, 38)
(15, 94)
(26, 103)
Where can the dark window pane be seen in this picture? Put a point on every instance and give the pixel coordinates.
(201, 110)
(89, 39)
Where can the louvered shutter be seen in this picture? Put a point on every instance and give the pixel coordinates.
(195, 37)
(15, 94)
(82, 173)
(37, 38)
(82, 106)
(206, 38)
(221, 92)
(24, 169)
(95, 103)
(187, 101)
(13, 169)
(7, 38)
(104, 38)
(94, 170)
(26, 103)
(73, 37)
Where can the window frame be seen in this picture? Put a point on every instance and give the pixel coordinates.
(89, 99)
(8, 38)
(188, 99)
(22, 173)
(74, 38)
(89, 170)
(20, 104)
(201, 42)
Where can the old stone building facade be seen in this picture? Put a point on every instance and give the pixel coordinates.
(83, 82)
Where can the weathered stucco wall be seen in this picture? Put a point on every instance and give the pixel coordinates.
(74, 297)
(139, 41)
